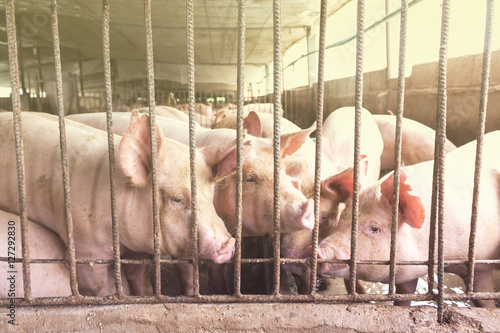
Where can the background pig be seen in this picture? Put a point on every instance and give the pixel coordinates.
(417, 143)
(47, 280)
(338, 146)
(414, 218)
(266, 123)
(89, 176)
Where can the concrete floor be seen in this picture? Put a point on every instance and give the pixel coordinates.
(276, 317)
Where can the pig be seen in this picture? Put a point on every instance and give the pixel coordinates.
(200, 108)
(375, 211)
(417, 143)
(167, 111)
(266, 121)
(203, 113)
(89, 177)
(48, 279)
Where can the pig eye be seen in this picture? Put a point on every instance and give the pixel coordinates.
(250, 179)
(374, 229)
(176, 200)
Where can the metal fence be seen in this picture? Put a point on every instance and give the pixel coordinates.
(275, 296)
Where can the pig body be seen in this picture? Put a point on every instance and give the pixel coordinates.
(417, 141)
(414, 220)
(89, 177)
(338, 141)
(47, 280)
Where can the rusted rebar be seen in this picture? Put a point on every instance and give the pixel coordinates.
(276, 139)
(10, 15)
(483, 103)
(319, 143)
(192, 141)
(358, 105)
(64, 156)
(397, 152)
(239, 142)
(111, 145)
(154, 148)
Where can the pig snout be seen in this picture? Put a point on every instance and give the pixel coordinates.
(307, 218)
(295, 268)
(225, 252)
(329, 269)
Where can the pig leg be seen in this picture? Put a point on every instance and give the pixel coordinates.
(216, 279)
(305, 283)
(185, 273)
(136, 276)
(483, 282)
(93, 280)
(359, 287)
(406, 288)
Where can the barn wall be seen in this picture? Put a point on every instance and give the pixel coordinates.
(464, 84)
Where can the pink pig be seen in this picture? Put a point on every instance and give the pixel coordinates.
(89, 176)
(375, 209)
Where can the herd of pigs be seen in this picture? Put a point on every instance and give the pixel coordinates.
(216, 156)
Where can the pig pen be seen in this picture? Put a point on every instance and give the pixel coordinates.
(275, 306)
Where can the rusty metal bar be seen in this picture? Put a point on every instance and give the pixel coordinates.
(111, 143)
(276, 138)
(239, 143)
(154, 148)
(250, 261)
(21, 59)
(319, 142)
(16, 108)
(483, 103)
(440, 150)
(358, 104)
(107, 300)
(192, 141)
(397, 153)
(64, 158)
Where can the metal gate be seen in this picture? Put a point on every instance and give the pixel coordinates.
(276, 261)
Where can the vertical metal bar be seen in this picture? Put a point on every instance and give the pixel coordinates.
(239, 143)
(388, 42)
(16, 108)
(154, 160)
(319, 141)
(440, 152)
(80, 65)
(21, 59)
(64, 158)
(39, 62)
(111, 144)
(192, 141)
(358, 104)
(276, 138)
(483, 103)
(397, 154)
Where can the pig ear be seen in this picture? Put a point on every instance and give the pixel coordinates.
(252, 124)
(219, 116)
(135, 149)
(223, 157)
(338, 187)
(291, 142)
(410, 206)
